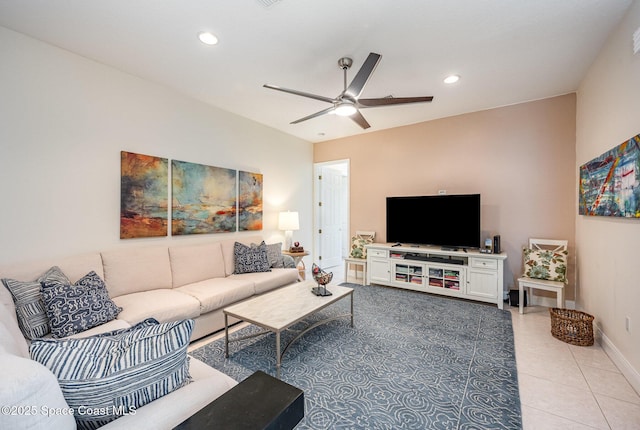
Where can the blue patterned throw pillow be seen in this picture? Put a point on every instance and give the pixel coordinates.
(75, 308)
(109, 375)
(250, 259)
(30, 309)
(274, 255)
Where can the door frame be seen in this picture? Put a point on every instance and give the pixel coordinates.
(316, 205)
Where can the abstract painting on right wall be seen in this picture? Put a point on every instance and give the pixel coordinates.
(610, 183)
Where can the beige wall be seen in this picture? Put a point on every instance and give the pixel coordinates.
(608, 113)
(520, 158)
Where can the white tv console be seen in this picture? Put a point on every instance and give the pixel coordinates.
(469, 275)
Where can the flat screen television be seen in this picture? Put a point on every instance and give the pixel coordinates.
(450, 221)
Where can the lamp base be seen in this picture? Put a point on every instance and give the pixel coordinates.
(318, 291)
(288, 239)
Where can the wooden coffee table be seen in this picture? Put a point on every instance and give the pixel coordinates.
(278, 310)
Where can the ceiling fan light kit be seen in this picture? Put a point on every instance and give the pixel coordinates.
(345, 109)
(348, 102)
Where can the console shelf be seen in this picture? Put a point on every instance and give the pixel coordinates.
(469, 275)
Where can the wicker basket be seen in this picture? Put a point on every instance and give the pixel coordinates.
(572, 326)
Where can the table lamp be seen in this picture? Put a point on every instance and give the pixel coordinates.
(288, 221)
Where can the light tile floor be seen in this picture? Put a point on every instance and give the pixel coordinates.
(563, 386)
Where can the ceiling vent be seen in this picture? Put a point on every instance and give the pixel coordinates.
(267, 3)
(636, 41)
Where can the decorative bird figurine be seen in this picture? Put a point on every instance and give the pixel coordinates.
(322, 278)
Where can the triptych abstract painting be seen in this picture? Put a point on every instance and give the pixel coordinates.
(143, 195)
(204, 199)
(610, 183)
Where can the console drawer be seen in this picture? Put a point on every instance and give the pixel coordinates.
(377, 253)
(484, 263)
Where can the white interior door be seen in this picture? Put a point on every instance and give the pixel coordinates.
(332, 185)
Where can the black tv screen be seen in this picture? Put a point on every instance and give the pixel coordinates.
(451, 221)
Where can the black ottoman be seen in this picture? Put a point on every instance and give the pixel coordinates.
(260, 402)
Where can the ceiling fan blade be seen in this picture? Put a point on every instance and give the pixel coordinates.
(314, 115)
(301, 93)
(357, 85)
(389, 101)
(359, 119)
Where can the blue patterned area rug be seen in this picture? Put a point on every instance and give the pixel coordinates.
(412, 361)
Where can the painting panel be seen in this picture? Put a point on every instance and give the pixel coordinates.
(203, 199)
(249, 201)
(610, 183)
(144, 201)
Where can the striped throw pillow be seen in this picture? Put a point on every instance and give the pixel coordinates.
(30, 309)
(109, 375)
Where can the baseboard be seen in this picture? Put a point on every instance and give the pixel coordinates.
(618, 359)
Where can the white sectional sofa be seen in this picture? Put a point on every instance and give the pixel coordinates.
(167, 283)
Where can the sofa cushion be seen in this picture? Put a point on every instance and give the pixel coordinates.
(250, 259)
(33, 390)
(267, 281)
(137, 269)
(29, 306)
(75, 308)
(196, 263)
(112, 325)
(163, 305)
(74, 267)
(228, 251)
(118, 372)
(216, 293)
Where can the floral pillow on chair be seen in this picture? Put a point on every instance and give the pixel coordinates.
(544, 264)
(358, 249)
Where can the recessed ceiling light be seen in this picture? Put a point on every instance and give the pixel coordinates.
(451, 79)
(207, 38)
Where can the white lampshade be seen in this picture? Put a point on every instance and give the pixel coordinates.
(288, 221)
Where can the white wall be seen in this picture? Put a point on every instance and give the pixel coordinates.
(608, 113)
(64, 120)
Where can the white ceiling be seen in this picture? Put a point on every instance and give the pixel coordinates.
(506, 51)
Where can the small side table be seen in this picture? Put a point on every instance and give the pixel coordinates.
(357, 262)
(297, 259)
(260, 402)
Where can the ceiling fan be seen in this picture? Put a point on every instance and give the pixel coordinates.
(348, 102)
